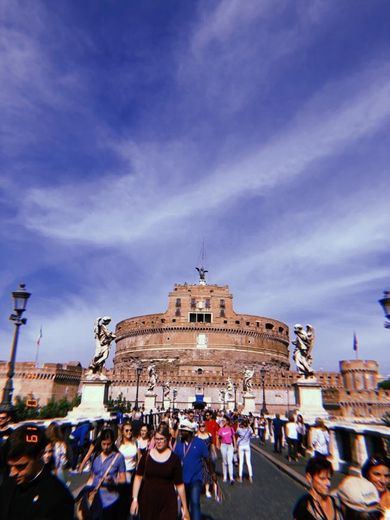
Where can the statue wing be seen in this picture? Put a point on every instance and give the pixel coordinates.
(96, 326)
(310, 334)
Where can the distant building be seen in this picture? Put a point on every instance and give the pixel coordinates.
(52, 380)
(359, 395)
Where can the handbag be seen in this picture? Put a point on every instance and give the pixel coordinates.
(86, 497)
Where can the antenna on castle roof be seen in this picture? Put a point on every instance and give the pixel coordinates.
(201, 270)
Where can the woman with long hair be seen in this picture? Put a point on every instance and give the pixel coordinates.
(143, 440)
(207, 438)
(244, 434)
(160, 473)
(60, 458)
(226, 442)
(108, 468)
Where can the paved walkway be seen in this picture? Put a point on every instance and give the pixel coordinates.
(296, 469)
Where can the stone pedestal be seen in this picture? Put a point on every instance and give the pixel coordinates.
(150, 402)
(94, 397)
(308, 397)
(230, 405)
(249, 404)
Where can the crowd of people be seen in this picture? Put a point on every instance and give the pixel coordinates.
(146, 472)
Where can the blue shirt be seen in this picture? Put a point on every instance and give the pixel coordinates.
(191, 456)
(99, 468)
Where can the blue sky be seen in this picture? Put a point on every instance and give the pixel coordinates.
(132, 131)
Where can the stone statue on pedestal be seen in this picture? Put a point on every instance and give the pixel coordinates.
(152, 378)
(229, 393)
(103, 339)
(303, 343)
(222, 396)
(166, 389)
(247, 382)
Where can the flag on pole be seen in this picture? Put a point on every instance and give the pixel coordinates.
(355, 344)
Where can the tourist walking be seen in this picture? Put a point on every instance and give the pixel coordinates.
(227, 444)
(109, 468)
(60, 456)
(320, 439)
(359, 499)
(301, 429)
(244, 434)
(160, 473)
(207, 438)
(193, 453)
(277, 430)
(291, 430)
(261, 428)
(318, 504)
(128, 447)
(376, 470)
(143, 440)
(31, 491)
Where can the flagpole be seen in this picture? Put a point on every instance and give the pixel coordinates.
(37, 349)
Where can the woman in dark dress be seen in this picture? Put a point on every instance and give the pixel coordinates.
(160, 473)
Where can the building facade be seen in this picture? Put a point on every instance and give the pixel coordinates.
(51, 381)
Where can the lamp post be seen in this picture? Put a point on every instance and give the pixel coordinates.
(138, 370)
(235, 396)
(20, 302)
(162, 396)
(174, 395)
(385, 302)
(264, 410)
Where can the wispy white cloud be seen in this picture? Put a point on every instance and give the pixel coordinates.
(146, 202)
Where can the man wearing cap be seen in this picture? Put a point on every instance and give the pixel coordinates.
(31, 492)
(192, 451)
(359, 499)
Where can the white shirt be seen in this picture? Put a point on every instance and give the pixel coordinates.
(320, 441)
(291, 430)
(129, 451)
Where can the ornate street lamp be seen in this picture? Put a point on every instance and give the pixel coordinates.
(20, 302)
(264, 410)
(138, 370)
(385, 302)
(235, 396)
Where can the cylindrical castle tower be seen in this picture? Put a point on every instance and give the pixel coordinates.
(197, 343)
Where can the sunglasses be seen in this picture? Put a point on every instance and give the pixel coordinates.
(127, 431)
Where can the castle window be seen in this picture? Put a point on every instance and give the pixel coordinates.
(269, 326)
(178, 302)
(222, 313)
(200, 317)
(257, 324)
(174, 320)
(225, 321)
(193, 303)
(237, 322)
(248, 323)
(281, 330)
(207, 303)
(222, 303)
(177, 313)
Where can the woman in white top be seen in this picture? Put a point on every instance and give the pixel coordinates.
(244, 434)
(128, 447)
(54, 434)
(292, 438)
(320, 439)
